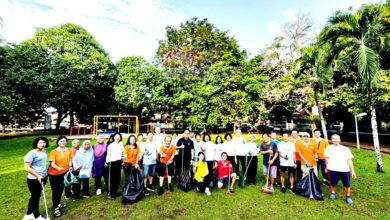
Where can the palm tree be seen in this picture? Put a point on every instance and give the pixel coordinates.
(362, 35)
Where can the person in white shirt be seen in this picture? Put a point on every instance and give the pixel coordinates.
(159, 137)
(288, 163)
(339, 165)
(218, 148)
(253, 151)
(114, 164)
(239, 144)
(149, 153)
(208, 148)
(197, 146)
(231, 151)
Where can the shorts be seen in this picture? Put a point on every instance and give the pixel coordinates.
(149, 170)
(335, 176)
(223, 180)
(273, 171)
(288, 169)
(161, 167)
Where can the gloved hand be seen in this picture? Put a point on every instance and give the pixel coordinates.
(137, 166)
(307, 164)
(286, 157)
(106, 164)
(124, 157)
(250, 153)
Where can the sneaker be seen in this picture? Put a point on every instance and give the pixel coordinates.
(271, 189)
(151, 188)
(325, 183)
(332, 196)
(86, 196)
(110, 197)
(62, 206)
(292, 190)
(231, 190)
(348, 200)
(197, 189)
(207, 191)
(160, 191)
(41, 218)
(283, 189)
(29, 217)
(146, 192)
(68, 197)
(98, 192)
(170, 188)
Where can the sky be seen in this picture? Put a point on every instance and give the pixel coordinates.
(134, 27)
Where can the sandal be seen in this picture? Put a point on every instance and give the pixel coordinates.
(57, 212)
(61, 206)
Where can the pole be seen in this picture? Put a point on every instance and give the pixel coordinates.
(357, 133)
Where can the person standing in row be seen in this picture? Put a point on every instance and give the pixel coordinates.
(158, 137)
(60, 162)
(321, 146)
(269, 151)
(100, 153)
(295, 139)
(140, 143)
(218, 148)
(186, 153)
(230, 151)
(35, 165)
(239, 144)
(166, 155)
(197, 146)
(307, 151)
(208, 149)
(288, 163)
(253, 151)
(114, 165)
(149, 154)
(71, 188)
(82, 163)
(130, 157)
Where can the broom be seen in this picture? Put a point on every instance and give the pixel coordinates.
(243, 182)
(265, 189)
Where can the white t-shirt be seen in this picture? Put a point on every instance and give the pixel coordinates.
(209, 150)
(286, 148)
(158, 139)
(219, 148)
(149, 149)
(229, 148)
(197, 149)
(252, 148)
(114, 152)
(338, 158)
(239, 144)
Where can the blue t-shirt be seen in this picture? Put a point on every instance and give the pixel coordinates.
(149, 149)
(38, 163)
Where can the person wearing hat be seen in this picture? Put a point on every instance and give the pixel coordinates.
(307, 151)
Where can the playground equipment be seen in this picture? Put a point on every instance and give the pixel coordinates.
(121, 122)
(84, 128)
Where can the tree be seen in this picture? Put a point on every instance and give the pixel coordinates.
(359, 38)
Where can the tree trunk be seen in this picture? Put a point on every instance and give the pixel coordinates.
(374, 127)
(60, 117)
(71, 118)
(323, 123)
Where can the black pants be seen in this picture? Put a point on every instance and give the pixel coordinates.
(35, 190)
(114, 177)
(234, 164)
(98, 182)
(298, 171)
(200, 185)
(210, 177)
(57, 187)
(252, 170)
(241, 160)
(77, 187)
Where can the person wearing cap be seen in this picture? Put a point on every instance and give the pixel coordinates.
(307, 151)
(82, 163)
(321, 146)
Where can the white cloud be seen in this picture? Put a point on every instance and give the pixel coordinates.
(275, 27)
(289, 14)
(123, 27)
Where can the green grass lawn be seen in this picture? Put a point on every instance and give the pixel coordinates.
(370, 192)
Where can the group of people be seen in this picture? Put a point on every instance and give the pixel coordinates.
(212, 164)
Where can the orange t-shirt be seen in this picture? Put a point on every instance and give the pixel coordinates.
(321, 146)
(308, 151)
(62, 159)
(131, 155)
(295, 141)
(169, 152)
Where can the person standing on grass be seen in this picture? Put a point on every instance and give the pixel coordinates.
(82, 163)
(239, 145)
(60, 162)
(225, 171)
(208, 149)
(114, 165)
(149, 154)
(321, 146)
(158, 137)
(35, 165)
(268, 148)
(253, 151)
(286, 151)
(166, 155)
(130, 157)
(307, 151)
(100, 153)
(197, 146)
(140, 143)
(339, 165)
(295, 139)
(185, 158)
(230, 150)
(200, 172)
(218, 148)
(71, 187)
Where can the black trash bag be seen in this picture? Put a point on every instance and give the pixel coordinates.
(309, 187)
(133, 188)
(186, 180)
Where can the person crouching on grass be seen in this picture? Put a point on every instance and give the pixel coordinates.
(35, 165)
(339, 165)
(201, 170)
(166, 158)
(224, 168)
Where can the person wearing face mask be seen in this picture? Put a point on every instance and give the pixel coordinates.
(60, 162)
(35, 165)
(82, 163)
(100, 153)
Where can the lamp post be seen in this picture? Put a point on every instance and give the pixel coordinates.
(357, 130)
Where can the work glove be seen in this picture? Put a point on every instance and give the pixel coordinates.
(307, 164)
(286, 157)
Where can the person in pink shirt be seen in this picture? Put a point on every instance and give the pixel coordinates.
(224, 169)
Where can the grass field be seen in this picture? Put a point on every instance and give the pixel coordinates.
(370, 192)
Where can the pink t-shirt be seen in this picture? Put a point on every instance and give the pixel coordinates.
(223, 171)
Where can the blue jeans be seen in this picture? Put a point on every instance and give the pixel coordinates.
(321, 163)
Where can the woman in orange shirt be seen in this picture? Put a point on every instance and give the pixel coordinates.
(60, 161)
(130, 156)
